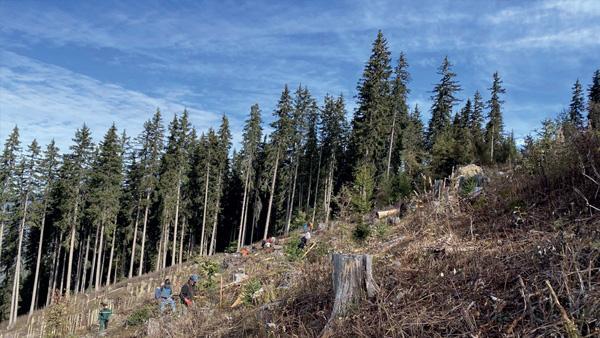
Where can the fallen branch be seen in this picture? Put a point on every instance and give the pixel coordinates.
(570, 327)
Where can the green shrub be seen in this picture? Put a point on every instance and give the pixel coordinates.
(467, 186)
(208, 269)
(361, 231)
(141, 315)
(56, 319)
(291, 249)
(232, 247)
(382, 229)
(249, 290)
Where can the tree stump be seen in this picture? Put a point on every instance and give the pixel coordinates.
(352, 282)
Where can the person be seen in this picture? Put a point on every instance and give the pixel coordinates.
(305, 227)
(304, 240)
(103, 317)
(187, 292)
(166, 296)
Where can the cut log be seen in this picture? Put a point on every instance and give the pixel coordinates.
(352, 282)
(388, 213)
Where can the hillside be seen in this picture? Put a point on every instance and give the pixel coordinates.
(519, 258)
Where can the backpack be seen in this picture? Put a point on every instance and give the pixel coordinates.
(157, 292)
(165, 292)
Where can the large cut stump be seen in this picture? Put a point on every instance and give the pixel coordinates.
(352, 283)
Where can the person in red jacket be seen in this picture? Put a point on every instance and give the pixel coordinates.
(187, 292)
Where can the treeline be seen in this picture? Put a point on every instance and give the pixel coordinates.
(105, 211)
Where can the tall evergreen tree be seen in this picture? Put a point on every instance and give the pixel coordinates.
(399, 114)
(251, 139)
(29, 185)
(413, 143)
(476, 125)
(495, 126)
(280, 141)
(594, 101)
(151, 141)
(9, 192)
(577, 106)
(48, 177)
(444, 98)
(370, 124)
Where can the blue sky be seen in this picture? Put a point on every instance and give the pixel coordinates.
(66, 63)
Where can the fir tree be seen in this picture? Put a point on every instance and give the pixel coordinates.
(370, 124)
(251, 139)
(577, 106)
(399, 107)
(443, 100)
(413, 144)
(594, 101)
(9, 192)
(495, 126)
(475, 126)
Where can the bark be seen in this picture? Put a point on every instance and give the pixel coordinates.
(2, 228)
(166, 244)
(16, 281)
(112, 251)
(387, 213)
(55, 260)
(352, 283)
(135, 230)
(328, 194)
(271, 196)
(93, 270)
(72, 244)
(245, 219)
(205, 208)
(85, 260)
(289, 216)
(174, 250)
(180, 260)
(213, 237)
(99, 257)
(317, 188)
(391, 146)
(62, 272)
(240, 242)
(34, 294)
(141, 268)
(78, 272)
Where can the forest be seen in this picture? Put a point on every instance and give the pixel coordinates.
(115, 206)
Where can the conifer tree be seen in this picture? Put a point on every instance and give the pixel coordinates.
(333, 129)
(444, 98)
(370, 124)
(79, 165)
(48, 176)
(495, 126)
(105, 190)
(280, 140)
(9, 192)
(577, 106)
(465, 149)
(594, 101)
(29, 185)
(251, 139)
(399, 108)
(222, 165)
(476, 125)
(413, 144)
(151, 141)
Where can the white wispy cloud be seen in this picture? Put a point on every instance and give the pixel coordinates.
(48, 101)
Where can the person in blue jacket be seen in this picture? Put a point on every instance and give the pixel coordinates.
(166, 296)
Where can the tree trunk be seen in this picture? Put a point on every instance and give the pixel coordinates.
(85, 260)
(309, 186)
(180, 260)
(166, 245)
(317, 187)
(16, 281)
(112, 251)
(352, 283)
(245, 218)
(55, 259)
(289, 215)
(329, 193)
(135, 230)
(94, 260)
(141, 268)
(389, 157)
(205, 206)
(271, 196)
(174, 250)
(72, 243)
(78, 271)
(34, 293)
(99, 257)
(213, 237)
(2, 228)
(240, 242)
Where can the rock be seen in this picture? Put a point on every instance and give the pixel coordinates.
(239, 277)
